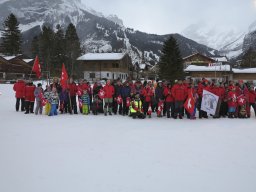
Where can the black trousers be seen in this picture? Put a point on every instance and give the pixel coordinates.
(18, 100)
(73, 104)
(170, 109)
(29, 107)
(145, 107)
(125, 108)
(223, 109)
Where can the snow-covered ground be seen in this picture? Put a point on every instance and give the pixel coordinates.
(118, 154)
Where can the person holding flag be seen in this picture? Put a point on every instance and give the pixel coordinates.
(190, 104)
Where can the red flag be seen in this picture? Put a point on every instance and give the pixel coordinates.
(37, 68)
(101, 94)
(119, 100)
(128, 102)
(64, 77)
(160, 107)
(241, 100)
(190, 104)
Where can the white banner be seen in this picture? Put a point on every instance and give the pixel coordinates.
(209, 102)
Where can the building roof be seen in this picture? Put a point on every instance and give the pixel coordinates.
(248, 70)
(220, 59)
(194, 68)
(8, 58)
(101, 56)
(28, 60)
(188, 57)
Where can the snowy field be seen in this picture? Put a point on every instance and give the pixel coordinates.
(118, 154)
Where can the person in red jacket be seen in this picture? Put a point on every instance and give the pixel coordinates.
(179, 93)
(19, 88)
(169, 101)
(29, 97)
(109, 92)
(72, 90)
(232, 103)
(148, 94)
(252, 99)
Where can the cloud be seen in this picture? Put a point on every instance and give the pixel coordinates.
(169, 16)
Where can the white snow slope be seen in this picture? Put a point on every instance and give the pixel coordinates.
(118, 154)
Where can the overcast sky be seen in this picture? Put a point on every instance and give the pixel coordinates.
(169, 16)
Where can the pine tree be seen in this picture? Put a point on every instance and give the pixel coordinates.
(11, 36)
(35, 47)
(249, 59)
(59, 50)
(46, 48)
(73, 49)
(171, 63)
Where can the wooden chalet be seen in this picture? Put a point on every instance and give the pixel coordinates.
(14, 67)
(198, 59)
(105, 66)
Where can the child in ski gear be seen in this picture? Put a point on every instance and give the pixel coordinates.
(232, 103)
(85, 102)
(47, 93)
(54, 100)
(38, 93)
(96, 105)
(136, 108)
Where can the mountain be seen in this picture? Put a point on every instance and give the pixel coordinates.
(250, 38)
(228, 41)
(98, 33)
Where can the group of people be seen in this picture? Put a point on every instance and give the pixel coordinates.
(134, 98)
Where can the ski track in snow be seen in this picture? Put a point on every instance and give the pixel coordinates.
(118, 154)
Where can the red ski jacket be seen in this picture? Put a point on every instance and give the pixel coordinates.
(252, 96)
(29, 93)
(109, 91)
(168, 95)
(179, 92)
(19, 88)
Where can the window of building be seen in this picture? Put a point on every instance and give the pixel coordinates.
(115, 65)
(107, 74)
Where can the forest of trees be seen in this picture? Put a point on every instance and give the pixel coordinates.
(53, 48)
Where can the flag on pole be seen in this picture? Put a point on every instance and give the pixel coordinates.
(241, 100)
(37, 68)
(64, 77)
(190, 104)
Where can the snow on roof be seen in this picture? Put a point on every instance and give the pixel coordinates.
(191, 68)
(8, 58)
(248, 70)
(101, 56)
(27, 60)
(220, 59)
